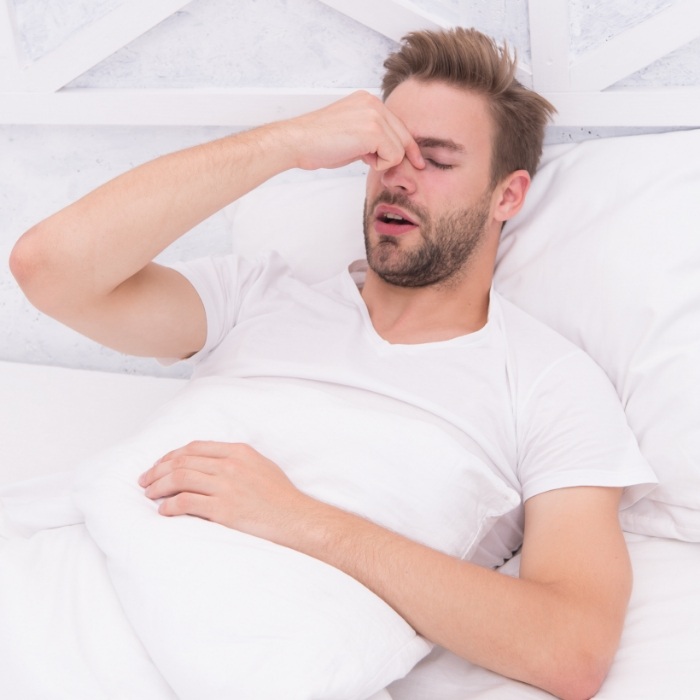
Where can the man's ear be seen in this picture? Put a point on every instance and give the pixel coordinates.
(510, 195)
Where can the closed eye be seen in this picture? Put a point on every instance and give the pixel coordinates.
(439, 166)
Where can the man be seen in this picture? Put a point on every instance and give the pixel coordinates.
(451, 151)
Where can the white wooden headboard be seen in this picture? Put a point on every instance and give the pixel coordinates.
(584, 88)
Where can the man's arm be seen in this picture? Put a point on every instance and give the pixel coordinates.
(89, 265)
(556, 627)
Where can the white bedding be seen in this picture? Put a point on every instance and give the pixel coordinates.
(611, 262)
(221, 613)
(657, 658)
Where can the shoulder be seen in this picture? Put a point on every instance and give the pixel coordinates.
(527, 332)
(535, 350)
(556, 387)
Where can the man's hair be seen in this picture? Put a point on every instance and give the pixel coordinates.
(469, 59)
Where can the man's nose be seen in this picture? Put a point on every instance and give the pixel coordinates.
(401, 176)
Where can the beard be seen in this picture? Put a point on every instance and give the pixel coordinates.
(448, 242)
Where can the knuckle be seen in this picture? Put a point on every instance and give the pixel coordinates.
(182, 502)
(241, 450)
(179, 477)
(167, 507)
(362, 95)
(247, 450)
(179, 462)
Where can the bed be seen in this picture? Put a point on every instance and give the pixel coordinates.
(606, 251)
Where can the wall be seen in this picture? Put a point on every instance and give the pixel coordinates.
(220, 43)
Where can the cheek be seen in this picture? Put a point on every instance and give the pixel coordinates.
(373, 189)
(373, 182)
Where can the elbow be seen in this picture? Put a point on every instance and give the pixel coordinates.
(581, 678)
(24, 263)
(31, 266)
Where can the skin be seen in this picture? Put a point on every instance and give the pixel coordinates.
(456, 147)
(90, 266)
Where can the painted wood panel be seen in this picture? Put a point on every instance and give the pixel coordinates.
(34, 92)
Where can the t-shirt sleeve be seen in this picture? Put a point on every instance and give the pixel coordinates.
(574, 432)
(221, 283)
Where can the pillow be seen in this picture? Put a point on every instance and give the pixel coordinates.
(607, 252)
(225, 614)
(315, 225)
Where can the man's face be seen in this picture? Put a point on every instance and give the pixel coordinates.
(423, 226)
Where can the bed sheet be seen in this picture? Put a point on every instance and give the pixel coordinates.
(52, 416)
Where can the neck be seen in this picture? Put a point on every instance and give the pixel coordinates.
(411, 315)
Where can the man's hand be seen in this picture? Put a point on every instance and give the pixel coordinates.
(228, 483)
(357, 127)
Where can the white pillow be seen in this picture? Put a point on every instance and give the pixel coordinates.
(315, 225)
(224, 614)
(606, 251)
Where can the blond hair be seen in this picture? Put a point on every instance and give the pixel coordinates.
(469, 59)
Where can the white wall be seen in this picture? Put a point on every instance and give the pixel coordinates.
(271, 43)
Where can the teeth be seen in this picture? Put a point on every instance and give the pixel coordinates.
(394, 218)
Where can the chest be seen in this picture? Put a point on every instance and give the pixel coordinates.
(328, 338)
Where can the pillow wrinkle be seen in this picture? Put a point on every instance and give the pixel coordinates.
(616, 269)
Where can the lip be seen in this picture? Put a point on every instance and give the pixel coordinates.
(387, 229)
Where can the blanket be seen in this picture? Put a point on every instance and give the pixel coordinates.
(191, 609)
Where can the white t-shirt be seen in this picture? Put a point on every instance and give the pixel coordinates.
(522, 399)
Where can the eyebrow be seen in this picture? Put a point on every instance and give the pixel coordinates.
(434, 142)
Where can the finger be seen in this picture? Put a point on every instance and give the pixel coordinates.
(206, 448)
(199, 448)
(371, 160)
(178, 461)
(188, 504)
(407, 144)
(181, 480)
(390, 150)
(414, 155)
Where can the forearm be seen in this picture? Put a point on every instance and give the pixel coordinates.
(522, 629)
(94, 245)
(107, 236)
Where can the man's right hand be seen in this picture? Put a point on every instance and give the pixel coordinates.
(357, 127)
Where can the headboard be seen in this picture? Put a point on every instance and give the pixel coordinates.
(90, 88)
(623, 63)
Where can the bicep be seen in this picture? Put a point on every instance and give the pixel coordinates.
(574, 543)
(156, 313)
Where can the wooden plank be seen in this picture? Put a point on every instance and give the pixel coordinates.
(659, 107)
(395, 18)
(90, 45)
(488, 17)
(182, 107)
(248, 107)
(549, 44)
(637, 47)
(392, 18)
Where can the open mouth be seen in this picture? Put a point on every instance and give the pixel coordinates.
(392, 221)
